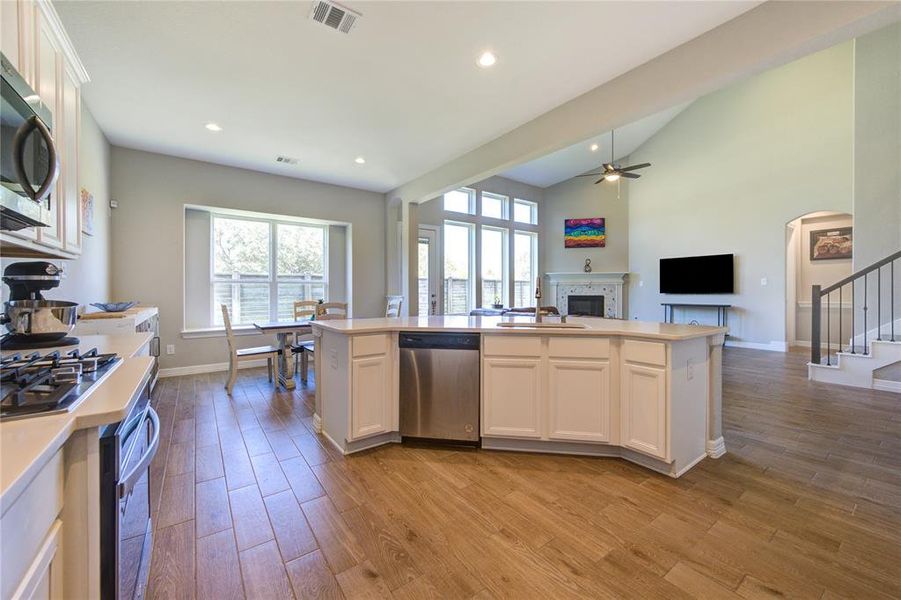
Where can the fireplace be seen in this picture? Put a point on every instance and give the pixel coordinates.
(585, 306)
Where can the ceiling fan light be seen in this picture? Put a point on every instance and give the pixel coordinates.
(611, 177)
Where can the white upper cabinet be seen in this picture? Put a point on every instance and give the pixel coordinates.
(33, 39)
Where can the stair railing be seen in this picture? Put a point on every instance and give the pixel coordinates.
(861, 298)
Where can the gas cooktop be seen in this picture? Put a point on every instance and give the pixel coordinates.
(35, 385)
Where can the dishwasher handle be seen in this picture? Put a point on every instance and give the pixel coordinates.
(439, 341)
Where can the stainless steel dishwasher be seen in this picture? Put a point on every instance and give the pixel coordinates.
(439, 387)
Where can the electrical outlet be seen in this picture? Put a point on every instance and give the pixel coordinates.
(763, 281)
(641, 284)
(170, 349)
(690, 369)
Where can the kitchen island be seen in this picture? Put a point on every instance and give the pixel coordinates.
(646, 392)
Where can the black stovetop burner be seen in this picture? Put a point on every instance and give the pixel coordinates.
(37, 384)
(26, 342)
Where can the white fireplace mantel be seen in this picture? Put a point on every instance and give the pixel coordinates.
(610, 285)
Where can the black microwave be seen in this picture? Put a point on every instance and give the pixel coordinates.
(29, 164)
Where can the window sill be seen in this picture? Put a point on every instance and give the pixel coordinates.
(214, 332)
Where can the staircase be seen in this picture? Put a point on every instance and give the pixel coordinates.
(863, 348)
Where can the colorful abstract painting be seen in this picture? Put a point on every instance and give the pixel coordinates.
(584, 233)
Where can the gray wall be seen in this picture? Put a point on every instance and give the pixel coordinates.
(730, 172)
(877, 145)
(148, 244)
(88, 278)
(580, 198)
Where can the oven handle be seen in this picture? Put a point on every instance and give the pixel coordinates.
(127, 483)
(22, 134)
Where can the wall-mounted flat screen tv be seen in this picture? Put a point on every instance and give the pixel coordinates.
(697, 275)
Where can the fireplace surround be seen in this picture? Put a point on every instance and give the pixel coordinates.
(561, 286)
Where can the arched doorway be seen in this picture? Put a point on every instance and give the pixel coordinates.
(804, 267)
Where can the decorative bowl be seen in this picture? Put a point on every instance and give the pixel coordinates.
(113, 307)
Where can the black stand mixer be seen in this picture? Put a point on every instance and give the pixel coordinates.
(32, 321)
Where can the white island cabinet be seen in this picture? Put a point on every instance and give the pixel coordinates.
(646, 392)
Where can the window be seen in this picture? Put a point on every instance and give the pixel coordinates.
(459, 288)
(525, 212)
(494, 266)
(525, 268)
(462, 200)
(260, 267)
(494, 206)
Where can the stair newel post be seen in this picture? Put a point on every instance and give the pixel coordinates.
(828, 327)
(879, 304)
(865, 350)
(839, 320)
(815, 301)
(853, 317)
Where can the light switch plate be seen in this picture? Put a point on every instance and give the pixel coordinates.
(763, 281)
(170, 349)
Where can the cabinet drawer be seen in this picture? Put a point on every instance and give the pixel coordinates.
(511, 345)
(365, 345)
(652, 353)
(574, 347)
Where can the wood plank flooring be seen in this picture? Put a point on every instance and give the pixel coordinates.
(248, 502)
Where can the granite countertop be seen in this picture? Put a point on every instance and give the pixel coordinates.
(26, 445)
(593, 326)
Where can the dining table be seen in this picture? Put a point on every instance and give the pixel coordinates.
(284, 331)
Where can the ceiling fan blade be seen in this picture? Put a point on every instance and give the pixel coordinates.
(630, 175)
(599, 180)
(589, 174)
(634, 167)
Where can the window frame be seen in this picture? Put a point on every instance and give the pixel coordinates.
(505, 264)
(533, 268)
(472, 201)
(474, 276)
(273, 279)
(505, 205)
(533, 211)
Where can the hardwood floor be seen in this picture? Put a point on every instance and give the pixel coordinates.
(248, 502)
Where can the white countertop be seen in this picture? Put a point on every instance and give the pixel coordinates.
(27, 444)
(594, 326)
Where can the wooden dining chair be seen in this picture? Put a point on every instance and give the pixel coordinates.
(325, 311)
(303, 309)
(237, 355)
(393, 306)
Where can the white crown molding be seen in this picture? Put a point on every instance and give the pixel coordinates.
(49, 14)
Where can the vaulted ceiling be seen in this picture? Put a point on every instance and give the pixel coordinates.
(402, 90)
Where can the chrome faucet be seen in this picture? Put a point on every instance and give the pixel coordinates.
(538, 299)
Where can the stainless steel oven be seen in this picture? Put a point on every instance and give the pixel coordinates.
(126, 535)
(28, 161)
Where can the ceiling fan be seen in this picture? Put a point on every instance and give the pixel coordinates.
(612, 171)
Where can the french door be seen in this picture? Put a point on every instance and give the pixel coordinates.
(429, 275)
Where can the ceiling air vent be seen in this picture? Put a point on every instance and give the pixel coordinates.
(286, 160)
(334, 15)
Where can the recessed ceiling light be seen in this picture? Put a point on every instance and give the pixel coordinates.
(360, 160)
(594, 147)
(487, 59)
(213, 127)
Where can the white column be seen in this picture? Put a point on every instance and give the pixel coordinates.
(716, 445)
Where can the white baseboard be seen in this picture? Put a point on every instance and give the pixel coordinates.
(209, 368)
(317, 423)
(771, 346)
(716, 448)
(887, 386)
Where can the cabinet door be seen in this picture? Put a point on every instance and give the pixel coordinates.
(579, 400)
(370, 390)
(644, 409)
(69, 126)
(510, 397)
(49, 63)
(9, 32)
